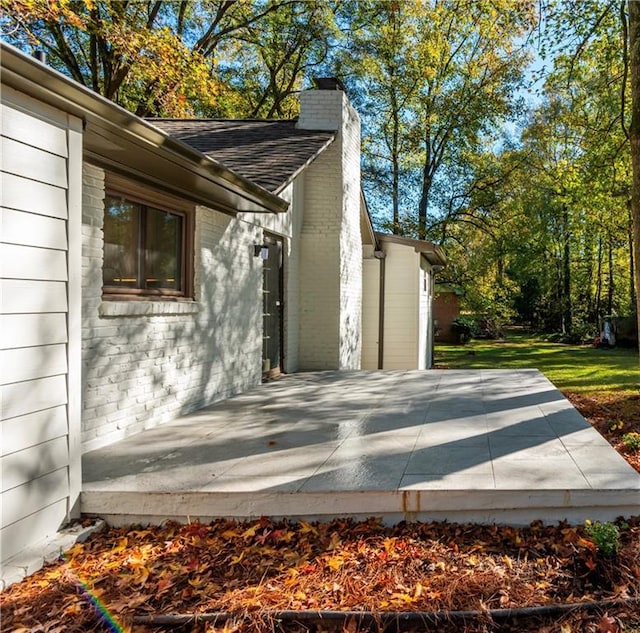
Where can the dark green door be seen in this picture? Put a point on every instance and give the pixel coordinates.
(272, 309)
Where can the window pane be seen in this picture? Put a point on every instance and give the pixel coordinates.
(121, 238)
(163, 249)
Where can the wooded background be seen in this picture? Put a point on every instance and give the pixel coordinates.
(499, 129)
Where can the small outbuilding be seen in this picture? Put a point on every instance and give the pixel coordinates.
(397, 299)
(446, 309)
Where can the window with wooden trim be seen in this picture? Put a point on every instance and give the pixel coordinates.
(147, 245)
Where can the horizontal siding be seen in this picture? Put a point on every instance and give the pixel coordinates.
(27, 330)
(34, 355)
(31, 429)
(30, 530)
(24, 500)
(26, 262)
(370, 313)
(29, 130)
(29, 229)
(31, 463)
(21, 398)
(43, 199)
(30, 363)
(33, 163)
(24, 296)
(401, 317)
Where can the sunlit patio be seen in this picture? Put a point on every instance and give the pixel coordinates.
(483, 446)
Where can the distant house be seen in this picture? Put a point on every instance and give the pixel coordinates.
(151, 268)
(446, 309)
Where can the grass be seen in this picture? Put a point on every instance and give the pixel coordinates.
(573, 368)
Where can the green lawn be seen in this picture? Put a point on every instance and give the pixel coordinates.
(569, 367)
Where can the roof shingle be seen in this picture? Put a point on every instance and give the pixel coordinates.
(268, 152)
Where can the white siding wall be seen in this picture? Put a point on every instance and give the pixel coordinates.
(145, 369)
(401, 320)
(425, 318)
(370, 311)
(331, 247)
(39, 371)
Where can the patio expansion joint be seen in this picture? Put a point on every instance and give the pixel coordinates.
(493, 470)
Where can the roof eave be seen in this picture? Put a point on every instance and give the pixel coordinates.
(367, 231)
(432, 253)
(119, 140)
(304, 166)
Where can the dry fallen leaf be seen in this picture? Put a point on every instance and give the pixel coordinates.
(608, 624)
(268, 565)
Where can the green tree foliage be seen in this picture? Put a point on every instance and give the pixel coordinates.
(555, 241)
(385, 70)
(541, 224)
(267, 63)
(441, 75)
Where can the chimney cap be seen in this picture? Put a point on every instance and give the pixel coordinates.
(329, 83)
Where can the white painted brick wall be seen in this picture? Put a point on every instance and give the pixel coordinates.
(140, 371)
(287, 226)
(350, 244)
(331, 246)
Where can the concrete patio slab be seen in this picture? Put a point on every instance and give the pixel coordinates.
(484, 446)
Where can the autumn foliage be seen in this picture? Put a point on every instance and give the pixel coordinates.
(256, 568)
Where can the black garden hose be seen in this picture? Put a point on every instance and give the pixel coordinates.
(384, 618)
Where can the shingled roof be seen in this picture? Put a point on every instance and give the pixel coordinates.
(270, 153)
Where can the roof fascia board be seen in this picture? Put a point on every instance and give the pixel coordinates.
(108, 120)
(433, 253)
(365, 218)
(161, 170)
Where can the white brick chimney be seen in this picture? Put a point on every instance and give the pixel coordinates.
(331, 245)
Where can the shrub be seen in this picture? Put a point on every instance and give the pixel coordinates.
(631, 442)
(464, 327)
(605, 536)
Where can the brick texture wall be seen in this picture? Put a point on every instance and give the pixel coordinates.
(331, 246)
(446, 308)
(142, 370)
(287, 226)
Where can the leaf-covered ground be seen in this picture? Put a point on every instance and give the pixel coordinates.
(254, 568)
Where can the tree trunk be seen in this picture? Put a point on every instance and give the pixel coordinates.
(632, 287)
(611, 288)
(395, 153)
(598, 311)
(634, 139)
(427, 178)
(567, 308)
(395, 186)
